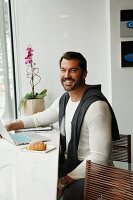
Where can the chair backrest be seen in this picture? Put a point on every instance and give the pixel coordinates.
(104, 182)
(121, 149)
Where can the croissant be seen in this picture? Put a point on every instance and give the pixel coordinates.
(36, 146)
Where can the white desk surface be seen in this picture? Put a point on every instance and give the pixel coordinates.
(28, 175)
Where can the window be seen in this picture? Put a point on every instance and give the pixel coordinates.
(7, 79)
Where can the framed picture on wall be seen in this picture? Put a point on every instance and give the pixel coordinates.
(127, 54)
(126, 23)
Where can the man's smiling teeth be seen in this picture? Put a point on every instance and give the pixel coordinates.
(68, 81)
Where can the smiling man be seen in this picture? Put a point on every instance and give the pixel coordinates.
(72, 75)
(87, 126)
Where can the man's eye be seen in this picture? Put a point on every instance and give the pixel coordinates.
(73, 70)
(62, 70)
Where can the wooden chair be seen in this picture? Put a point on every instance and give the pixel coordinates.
(121, 149)
(104, 182)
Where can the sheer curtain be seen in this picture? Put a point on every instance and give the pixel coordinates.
(7, 79)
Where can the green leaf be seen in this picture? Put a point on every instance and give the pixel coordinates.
(29, 96)
(42, 94)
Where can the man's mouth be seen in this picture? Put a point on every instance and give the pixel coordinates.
(67, 81)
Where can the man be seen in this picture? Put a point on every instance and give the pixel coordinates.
(87, 125)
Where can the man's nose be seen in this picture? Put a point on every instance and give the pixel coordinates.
(67, 74)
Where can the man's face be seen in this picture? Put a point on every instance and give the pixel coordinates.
(71, 74)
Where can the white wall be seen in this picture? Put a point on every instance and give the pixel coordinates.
(56, 26)
(122, 78)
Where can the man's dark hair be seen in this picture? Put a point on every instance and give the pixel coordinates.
(76, 56)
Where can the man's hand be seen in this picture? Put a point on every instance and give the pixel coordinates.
(62, 184)
(14, 125)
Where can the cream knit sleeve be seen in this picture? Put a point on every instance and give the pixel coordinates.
(98, 119)
(47, 117)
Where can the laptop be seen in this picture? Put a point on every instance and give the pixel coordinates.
(20, 138)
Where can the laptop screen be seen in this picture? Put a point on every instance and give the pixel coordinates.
(4, 133)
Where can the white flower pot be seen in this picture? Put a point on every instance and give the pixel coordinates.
(32, 106)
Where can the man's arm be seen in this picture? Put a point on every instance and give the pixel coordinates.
(15, 125)
(99, 129)
(44, 118)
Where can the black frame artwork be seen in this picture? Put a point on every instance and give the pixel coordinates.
(126, 23)
(127, 54)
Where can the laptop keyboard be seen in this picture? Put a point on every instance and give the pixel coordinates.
(20, 138)
(25, 138)
(35, 136)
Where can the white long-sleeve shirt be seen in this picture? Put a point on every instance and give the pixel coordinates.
(95, 138)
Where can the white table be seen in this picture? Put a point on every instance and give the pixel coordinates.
(28, 175)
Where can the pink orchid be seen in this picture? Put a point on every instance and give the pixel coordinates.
(28, 58)
(29, 49)
(32, 70)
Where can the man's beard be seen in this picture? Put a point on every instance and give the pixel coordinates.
(74, 84)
